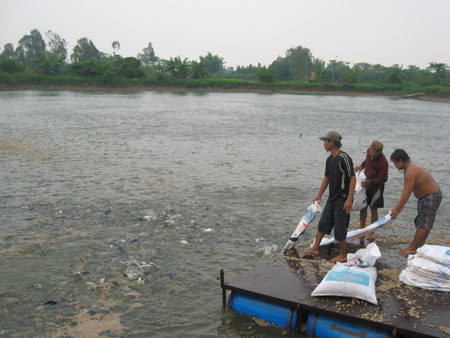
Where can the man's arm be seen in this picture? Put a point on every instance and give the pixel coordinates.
(349, 202)
(408, 188)
(322, 189)
(361, 166)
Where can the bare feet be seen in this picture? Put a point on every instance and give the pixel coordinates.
(311, 251)
(407, 251)
(339, 259)
(371, 236)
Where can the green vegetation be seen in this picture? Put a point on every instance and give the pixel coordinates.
(36, 62)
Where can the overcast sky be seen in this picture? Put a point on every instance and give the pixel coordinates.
(243, 32)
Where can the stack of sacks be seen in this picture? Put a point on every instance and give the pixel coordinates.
(429, 268)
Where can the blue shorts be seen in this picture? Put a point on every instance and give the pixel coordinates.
(334, 216)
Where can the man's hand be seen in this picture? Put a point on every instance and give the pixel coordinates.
(348, 206)
(395, 212)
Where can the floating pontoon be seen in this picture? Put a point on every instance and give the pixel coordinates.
(279, 292)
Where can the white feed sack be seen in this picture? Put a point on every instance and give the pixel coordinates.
(349, 281)
(306, 220)
(429, 268)
(359, 197)
(436, 253)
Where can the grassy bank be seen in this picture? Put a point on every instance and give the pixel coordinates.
(31, 80)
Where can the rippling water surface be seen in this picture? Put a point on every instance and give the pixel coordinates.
(117, 210)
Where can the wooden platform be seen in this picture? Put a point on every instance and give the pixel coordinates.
(402, 310)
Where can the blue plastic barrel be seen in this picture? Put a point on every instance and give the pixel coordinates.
(323, 326)
(271, 312)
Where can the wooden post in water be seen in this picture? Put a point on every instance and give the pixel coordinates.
(224, 292)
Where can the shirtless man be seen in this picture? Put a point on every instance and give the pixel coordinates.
(340, 179)
(426, 190)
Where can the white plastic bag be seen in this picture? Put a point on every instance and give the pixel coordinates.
(354, 234)
(429, 268)
(349, 281)
(365, 257)
(436, 253)
(359, 197)
(309, 216)
(423, 283)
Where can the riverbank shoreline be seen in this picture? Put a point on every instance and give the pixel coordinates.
(181, 89)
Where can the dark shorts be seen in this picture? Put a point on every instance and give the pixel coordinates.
(375, 198)
(426, 210)
(334, 215)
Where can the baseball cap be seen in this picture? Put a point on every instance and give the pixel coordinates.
(332, 135)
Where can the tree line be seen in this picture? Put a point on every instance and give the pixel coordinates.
(51, 57)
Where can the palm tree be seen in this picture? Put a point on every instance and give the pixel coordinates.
(179, 68)
(49, 64)
(438, 72)
(395, 75)
(199, 70)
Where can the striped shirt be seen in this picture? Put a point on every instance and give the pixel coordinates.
(339, 170)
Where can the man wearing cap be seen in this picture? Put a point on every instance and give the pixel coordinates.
(340, 179)
(376, 171)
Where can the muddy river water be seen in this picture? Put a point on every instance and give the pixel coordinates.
(118, 209)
